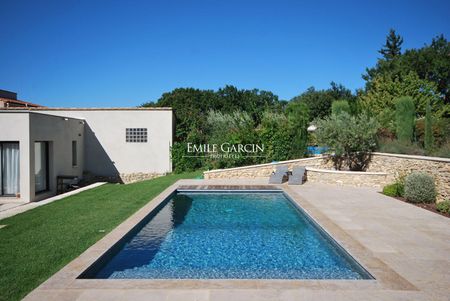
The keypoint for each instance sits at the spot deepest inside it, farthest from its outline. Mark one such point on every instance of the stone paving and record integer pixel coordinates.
(406, 248)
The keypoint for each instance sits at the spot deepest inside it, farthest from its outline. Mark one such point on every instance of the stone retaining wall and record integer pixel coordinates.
(391, 166)
(400, 165)
(136, 177)
(353, 178)
(263, 170)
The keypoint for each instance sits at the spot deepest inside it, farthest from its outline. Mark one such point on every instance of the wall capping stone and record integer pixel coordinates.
(264, 164)
(347, 172)
(413, 157)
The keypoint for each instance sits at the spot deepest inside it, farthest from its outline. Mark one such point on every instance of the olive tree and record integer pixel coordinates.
(351, 139)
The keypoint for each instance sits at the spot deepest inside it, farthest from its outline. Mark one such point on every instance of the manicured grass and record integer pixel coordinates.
(36, 244)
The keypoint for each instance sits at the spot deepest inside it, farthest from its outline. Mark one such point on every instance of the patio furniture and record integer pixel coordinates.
(279, 175)
(62, 187)
(297, 175)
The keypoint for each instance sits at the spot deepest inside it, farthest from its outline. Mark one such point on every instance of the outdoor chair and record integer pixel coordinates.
(297, 175)
(279, 175)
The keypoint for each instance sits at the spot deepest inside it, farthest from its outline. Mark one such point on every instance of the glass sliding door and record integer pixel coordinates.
(41, 166)
(9, 168)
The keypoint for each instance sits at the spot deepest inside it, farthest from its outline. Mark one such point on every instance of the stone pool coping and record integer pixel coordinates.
(64, 285)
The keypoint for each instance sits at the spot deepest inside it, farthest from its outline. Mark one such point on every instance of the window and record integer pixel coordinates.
(9, 168)
(74, 153)
(136, 135)
(41, 166)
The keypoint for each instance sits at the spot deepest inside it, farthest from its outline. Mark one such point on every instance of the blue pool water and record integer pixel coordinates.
(257, 235)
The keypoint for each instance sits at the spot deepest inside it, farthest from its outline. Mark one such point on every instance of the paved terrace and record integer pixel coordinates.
(406, 248)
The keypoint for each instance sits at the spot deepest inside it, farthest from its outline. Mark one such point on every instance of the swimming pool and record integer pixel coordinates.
(227, 235)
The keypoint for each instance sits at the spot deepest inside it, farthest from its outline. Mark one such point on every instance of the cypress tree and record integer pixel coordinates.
(404, 117)
(428, 129)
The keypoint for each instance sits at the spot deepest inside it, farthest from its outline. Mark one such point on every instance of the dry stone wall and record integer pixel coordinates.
(383, 169)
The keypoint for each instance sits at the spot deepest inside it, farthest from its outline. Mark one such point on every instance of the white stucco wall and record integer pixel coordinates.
(59, 132)
(14, 127)
(27, 128)
(106, 151)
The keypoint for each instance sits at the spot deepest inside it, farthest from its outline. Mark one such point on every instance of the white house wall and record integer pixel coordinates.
(14, 127)
(59, 132)
(106, 151)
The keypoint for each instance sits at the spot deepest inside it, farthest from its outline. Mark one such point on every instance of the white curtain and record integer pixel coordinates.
(10, 165)
(40, 166)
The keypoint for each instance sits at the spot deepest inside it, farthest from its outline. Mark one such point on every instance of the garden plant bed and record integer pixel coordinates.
(426, 206)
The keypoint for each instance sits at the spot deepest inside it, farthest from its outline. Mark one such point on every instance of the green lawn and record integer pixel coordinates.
(36, 244)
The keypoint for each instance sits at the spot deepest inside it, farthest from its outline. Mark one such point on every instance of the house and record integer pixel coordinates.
(9, 99)
(41, 147)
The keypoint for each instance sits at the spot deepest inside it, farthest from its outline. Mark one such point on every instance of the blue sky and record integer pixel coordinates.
(124, 53)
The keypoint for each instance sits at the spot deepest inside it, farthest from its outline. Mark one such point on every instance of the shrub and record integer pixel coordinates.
(428, 129)
(404, 118)
(396, 147)
(443, 151)
(386, 118)
(339, 106)
(351, 138)
(395, 189)
(298, 118)
(274, 133)
(443, 207)
(390, 190)
(180, 160)
(419, 188)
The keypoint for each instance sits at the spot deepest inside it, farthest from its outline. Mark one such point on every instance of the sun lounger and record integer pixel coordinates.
(279, 175)
(297, 176)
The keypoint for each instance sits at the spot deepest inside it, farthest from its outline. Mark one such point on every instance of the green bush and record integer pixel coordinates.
(351, 138)
(420, 188)
(390, 190)
(339, 106)
(443, 207)
(396, 147)
(275, 133)
(298, 118)
(181, 159)
(404, 118)
(428, 129)
(395, 189)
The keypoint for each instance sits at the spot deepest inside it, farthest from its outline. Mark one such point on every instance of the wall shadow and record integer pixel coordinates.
(97, 163)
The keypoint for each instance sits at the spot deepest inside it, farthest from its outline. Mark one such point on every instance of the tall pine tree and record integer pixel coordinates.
(393, 45)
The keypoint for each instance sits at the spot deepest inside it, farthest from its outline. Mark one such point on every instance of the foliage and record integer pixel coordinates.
(340, 106)
(420, 188)
(386, 118)
(319, 101)
(298, 118)
(443, 151)
(384, 89)
(439, 131)
(404, 118)
(397, 188)
(431, 63)
(392, 48)
(428, 129)
(443, 207)
(351, 138)
(183, 161)
(396, 147)
(36, 244)
(191, 105)
(393, 190)
(274, 132)
(234, 128)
